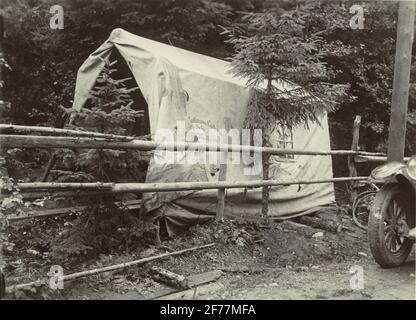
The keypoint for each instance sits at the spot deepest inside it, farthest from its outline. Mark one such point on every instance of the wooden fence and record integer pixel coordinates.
(94, 140)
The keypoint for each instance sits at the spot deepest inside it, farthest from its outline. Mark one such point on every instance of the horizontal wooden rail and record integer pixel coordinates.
(21, 141)
(75, 133)
(89, 186)
(63, 194)
(363, 158)
(171, 186)
(48, 213)
(45, 213)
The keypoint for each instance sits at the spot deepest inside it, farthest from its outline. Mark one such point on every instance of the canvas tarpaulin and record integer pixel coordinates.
(182, 85)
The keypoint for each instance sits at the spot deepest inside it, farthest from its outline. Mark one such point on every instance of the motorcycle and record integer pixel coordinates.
(391, 223)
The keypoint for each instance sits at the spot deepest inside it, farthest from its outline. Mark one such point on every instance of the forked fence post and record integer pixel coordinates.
(352, 168)
(222, 176)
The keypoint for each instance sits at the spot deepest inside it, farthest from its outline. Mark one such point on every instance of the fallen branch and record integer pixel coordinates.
(325, 224)
(247, 270)
(81, 274)
(192, 294)
(170, 278)
(297, 227)
(194, 281)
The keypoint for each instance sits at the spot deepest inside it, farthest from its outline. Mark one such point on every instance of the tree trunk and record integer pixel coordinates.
(266, 189)
(266, 158)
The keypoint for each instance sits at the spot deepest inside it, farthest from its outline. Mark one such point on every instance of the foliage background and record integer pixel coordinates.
(44, 62)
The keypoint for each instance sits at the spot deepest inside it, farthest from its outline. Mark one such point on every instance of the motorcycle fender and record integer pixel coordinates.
(408, 188)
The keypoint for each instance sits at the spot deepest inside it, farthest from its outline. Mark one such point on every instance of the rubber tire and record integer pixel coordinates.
(381, 254)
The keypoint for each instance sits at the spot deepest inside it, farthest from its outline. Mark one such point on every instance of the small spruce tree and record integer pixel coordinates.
(106, 223)
(281, 58)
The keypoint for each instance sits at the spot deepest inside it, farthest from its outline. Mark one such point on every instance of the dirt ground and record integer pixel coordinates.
(333, 282)
(282, 260)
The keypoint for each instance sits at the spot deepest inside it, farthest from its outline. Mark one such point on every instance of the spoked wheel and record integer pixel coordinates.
(390, 218)
(361, 208)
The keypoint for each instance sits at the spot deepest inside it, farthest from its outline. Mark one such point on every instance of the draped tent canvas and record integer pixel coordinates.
(179, 85)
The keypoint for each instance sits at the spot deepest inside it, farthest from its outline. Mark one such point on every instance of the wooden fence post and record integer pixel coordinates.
(3, 170)
(351, 159)
(398, 117)
(51, 163)
(2, 103)
(222, 176)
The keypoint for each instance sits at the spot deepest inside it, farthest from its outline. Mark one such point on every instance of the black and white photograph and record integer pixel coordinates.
(223, 151)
